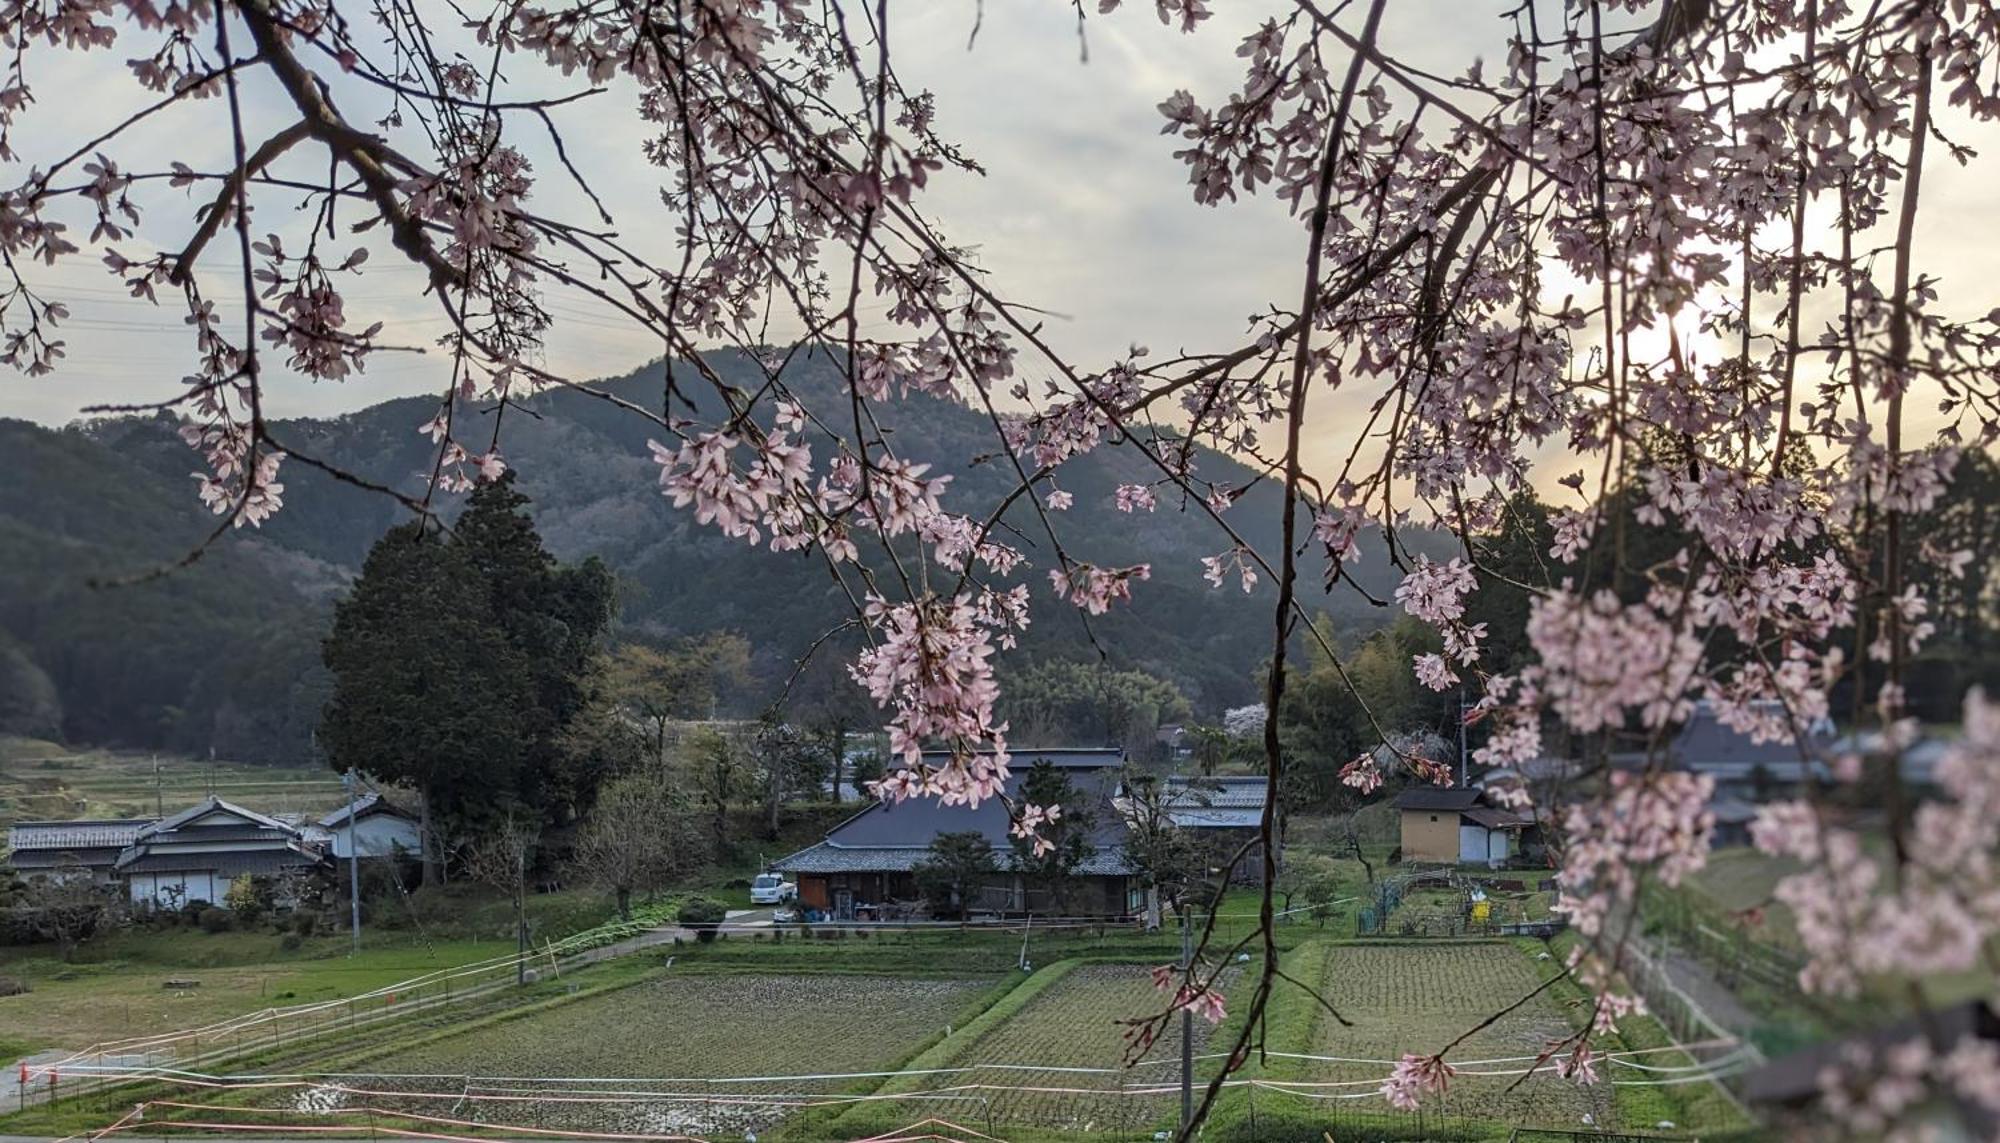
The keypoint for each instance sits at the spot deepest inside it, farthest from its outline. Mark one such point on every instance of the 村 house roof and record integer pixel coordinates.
(1493, 817)
(1731, 811)
(230, 863)
(99, 857)
(829, 858)
(1437, 798)
(893, 837)
(1215, 793)
(1214, 803)
(213, 805)
(1705, 745)
(113, 833)
(368, 805)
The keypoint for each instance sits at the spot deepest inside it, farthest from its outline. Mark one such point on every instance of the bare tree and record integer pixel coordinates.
(638, 837)
(716, 766)
(500, 858)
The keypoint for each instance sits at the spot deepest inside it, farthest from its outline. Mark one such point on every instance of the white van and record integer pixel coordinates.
(771, 889)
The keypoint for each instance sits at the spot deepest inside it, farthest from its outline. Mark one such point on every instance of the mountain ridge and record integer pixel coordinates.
(237, 631)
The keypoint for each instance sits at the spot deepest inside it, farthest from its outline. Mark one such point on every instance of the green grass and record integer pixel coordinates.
(76, 1005)
(1696, 1106)
(747, 1007)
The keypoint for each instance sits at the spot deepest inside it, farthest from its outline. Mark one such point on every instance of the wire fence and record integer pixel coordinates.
(274, 1029)
(994, 1096)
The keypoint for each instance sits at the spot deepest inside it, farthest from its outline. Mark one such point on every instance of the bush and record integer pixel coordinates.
(291, 942)
(305, 922)
(702, 915)
(12, 986)
(214, 920)
(249, 897)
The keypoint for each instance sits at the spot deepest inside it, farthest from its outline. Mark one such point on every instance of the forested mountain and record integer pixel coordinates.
(224, 653)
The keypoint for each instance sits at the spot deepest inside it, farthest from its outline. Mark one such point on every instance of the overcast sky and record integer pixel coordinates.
(1083, 212)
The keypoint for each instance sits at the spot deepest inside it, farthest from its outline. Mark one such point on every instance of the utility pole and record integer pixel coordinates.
(353, 862)
(159, 792)
(520, 911)
(1187, 1022)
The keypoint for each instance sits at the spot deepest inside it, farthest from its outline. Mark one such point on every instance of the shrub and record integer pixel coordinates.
(12, 986)
(305, 922)
(702, 915)
(252, 898)
(291, 942)
(214, 920)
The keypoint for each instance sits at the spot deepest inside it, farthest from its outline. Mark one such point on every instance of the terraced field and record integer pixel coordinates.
(1058, 1062)
(1418, 998)
(42, 780)
(656, 1053)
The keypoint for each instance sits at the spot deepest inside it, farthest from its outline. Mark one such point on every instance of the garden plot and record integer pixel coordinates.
(666, 1056)
(1418, 998)
(1058, 1062)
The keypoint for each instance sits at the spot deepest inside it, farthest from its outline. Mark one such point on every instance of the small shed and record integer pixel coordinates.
(1456, 826)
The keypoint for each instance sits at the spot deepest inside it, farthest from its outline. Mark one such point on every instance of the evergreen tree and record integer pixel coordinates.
(460, 661)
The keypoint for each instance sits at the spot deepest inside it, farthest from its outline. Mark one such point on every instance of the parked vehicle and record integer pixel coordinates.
(771, 889)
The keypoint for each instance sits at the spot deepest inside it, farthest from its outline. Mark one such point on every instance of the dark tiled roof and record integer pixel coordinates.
(827, 857)
(112, 832)
(368, 805)
(1492, 817)
(1437, 798)
(899, 834)
(1216, 793)
(1705, 745)
(914, 821)
(251, 819)
(100, 857)
(233, 864)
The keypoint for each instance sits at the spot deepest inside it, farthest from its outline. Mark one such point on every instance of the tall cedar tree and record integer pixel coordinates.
(458, 661)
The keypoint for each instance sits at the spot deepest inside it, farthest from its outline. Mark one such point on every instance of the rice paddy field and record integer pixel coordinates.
(1420, 997)
(726, 1051)
(671, 1054)
(1057, 1061)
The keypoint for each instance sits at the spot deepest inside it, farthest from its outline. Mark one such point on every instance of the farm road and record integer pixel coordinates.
(1709, 994)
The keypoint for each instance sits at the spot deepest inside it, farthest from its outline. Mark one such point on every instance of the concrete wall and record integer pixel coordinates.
(1430, 835)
